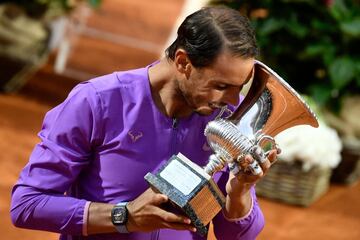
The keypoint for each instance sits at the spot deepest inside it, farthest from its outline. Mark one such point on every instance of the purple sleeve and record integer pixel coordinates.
(67, 136)
(246, 228)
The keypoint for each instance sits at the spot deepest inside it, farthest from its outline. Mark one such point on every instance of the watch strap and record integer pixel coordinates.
(121, 228)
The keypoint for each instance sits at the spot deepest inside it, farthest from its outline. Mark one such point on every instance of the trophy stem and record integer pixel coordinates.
(214, 165)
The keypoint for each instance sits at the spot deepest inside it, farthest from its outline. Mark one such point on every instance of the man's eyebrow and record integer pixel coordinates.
(248, 78)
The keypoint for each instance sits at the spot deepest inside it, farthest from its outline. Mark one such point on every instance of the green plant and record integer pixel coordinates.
(312, 44)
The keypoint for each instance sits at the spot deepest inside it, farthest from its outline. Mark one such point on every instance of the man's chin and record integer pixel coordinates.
(205, 111)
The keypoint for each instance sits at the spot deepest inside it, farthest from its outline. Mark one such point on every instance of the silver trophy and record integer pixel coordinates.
(270, 107)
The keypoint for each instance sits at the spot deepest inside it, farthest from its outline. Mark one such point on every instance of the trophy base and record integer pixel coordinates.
(190, 189)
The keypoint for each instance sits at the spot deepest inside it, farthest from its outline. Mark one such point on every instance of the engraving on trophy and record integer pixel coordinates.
(180, 177)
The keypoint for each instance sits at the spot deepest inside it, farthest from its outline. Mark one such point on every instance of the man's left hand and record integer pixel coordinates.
(238, 199)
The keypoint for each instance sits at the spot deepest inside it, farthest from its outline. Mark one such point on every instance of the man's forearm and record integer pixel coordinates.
(99, 218)
(33, 209)
(246, 227)
(238, 206)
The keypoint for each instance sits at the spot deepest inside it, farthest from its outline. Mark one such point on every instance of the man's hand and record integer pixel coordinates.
(146, 214)
(238, 199)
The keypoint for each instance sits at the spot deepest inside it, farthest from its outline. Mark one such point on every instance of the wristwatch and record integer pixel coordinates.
(119, 217)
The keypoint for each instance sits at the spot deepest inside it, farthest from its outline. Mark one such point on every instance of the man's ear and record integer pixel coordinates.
(182, 62)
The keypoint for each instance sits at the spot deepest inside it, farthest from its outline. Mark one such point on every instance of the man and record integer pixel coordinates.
(99, 143)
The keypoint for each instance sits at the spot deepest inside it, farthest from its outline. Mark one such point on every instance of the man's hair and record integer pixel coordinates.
(207, 32)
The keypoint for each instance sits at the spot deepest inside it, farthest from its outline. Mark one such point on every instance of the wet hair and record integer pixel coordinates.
(209, 31)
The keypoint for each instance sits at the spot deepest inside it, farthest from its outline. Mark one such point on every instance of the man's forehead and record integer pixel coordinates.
(241, 73)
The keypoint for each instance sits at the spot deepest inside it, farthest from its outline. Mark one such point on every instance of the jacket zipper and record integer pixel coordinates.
(175, 123)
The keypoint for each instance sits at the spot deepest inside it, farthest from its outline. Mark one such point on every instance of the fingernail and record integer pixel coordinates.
(188, 221)
(193, 229)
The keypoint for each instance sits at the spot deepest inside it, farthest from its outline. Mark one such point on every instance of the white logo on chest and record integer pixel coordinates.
(135, 135)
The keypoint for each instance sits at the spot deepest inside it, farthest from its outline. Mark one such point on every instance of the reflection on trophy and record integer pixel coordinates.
(269, 107)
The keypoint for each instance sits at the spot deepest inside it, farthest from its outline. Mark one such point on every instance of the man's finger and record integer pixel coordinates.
(272, 156)
(179, 226)
(251, 165)
(155, 198)
(172, 217)
(258, 154)
(158, 199)
(247, 163)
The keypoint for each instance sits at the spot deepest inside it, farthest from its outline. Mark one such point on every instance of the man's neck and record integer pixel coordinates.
(165, 91)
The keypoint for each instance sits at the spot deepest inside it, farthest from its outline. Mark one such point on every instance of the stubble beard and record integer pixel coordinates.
(203, 110)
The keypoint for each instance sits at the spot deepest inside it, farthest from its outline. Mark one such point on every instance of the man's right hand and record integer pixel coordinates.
(145, 214)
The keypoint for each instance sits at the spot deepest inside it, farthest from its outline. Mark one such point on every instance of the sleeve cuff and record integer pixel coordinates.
(244, 217)
(85, 218)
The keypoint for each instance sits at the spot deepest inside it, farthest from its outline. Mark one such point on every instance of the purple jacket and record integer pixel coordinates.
(97, 146)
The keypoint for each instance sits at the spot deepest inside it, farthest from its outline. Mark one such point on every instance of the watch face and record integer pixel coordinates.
(118, 215)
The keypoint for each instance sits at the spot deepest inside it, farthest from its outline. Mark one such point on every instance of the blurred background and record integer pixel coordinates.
(312, 192)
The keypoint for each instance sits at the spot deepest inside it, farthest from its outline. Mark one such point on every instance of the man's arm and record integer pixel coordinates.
(144, 215)
(38, 210)
(242, 217)
(54, 212)
(246, 227)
